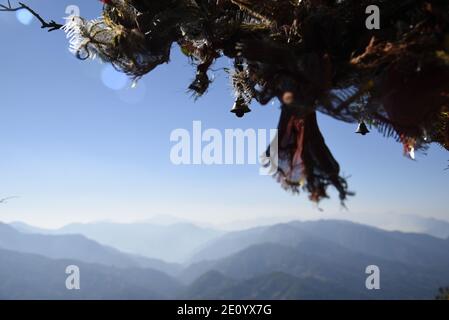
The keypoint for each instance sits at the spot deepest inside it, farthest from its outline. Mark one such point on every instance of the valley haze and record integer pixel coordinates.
(322, 259)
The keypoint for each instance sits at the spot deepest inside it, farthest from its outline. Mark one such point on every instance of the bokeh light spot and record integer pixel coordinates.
(24, 17)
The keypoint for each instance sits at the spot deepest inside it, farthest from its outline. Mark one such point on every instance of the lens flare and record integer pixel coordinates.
(24, 17)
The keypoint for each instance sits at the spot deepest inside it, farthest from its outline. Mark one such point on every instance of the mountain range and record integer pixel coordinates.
(144, 239)
(404, 222)
(298, 260)
(28, 276)
(77, 247)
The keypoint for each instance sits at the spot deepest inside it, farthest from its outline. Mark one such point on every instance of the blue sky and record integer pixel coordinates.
(75, 150)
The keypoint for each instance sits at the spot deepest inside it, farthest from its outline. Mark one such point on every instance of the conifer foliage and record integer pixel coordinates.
(311, 55)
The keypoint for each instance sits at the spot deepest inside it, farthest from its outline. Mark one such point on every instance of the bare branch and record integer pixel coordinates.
(51, 25)
(5, 200)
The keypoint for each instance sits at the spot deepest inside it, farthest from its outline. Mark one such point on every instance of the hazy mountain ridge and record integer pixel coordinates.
(179, 239)
(397, 246)
(297, 260)
(276, 285)
(30, 276)
(77, 247)
(406, 223)
(328, 266)
(331, 253)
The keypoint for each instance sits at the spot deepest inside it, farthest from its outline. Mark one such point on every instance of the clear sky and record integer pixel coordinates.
(74, 149)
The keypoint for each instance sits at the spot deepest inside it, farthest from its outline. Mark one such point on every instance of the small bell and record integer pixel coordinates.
(240, 107)
(362, 129)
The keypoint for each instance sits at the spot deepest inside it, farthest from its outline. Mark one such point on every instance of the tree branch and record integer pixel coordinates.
(51, 25)
(5, 200)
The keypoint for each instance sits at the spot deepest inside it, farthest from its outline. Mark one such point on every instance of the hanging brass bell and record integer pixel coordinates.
(362, 129)
(240, 107)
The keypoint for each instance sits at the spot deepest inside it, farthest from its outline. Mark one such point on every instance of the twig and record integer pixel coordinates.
(5, 200)
(51, 25)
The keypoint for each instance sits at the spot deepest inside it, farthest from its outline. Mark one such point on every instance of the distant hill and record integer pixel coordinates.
(407, 248)
(29, 276)
(321, 268)
(234, 242)
(297, 260)
(171, 242)
(406, 223)
(272, 286)
(76, 247)
(325, 254)
(26, 228)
